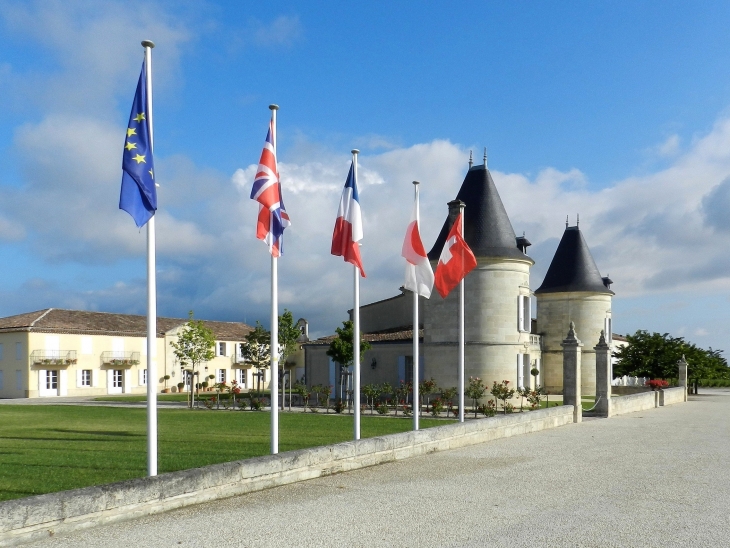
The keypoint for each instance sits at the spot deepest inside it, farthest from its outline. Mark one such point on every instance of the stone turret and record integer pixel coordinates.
(497, 333)
(573, 291)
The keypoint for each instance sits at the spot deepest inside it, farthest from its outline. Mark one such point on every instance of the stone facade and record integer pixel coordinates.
(555, 311)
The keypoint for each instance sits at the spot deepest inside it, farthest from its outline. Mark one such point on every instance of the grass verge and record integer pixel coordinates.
(44, 449)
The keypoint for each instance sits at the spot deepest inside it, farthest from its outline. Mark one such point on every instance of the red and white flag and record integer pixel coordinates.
(419, 274)
(348, 226)
(456, 261)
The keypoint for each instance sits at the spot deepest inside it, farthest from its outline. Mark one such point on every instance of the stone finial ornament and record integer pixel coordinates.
(602, 338)
(571, 331)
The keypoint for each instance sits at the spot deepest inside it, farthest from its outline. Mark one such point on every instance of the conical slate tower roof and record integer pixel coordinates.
(487, 228)
(573, 267)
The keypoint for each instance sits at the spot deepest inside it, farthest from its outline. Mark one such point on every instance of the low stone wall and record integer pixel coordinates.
(668, 396)
(633, 403)
(24, 520)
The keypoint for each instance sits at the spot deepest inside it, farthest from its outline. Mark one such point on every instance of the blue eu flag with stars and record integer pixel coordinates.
(139, 196)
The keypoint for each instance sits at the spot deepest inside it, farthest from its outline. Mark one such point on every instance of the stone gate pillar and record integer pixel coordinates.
(571, 373)
(683, 375)
(603, 376)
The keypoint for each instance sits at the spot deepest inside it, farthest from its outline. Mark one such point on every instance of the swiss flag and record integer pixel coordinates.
(455, 262)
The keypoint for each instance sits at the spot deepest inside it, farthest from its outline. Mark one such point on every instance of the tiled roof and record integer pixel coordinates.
(56, 320)
(404, 335)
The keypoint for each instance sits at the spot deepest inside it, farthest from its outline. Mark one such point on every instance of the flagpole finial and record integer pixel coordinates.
(148, 44)
(416, 183)
(273, 107)
(355, 151)
(471, 160)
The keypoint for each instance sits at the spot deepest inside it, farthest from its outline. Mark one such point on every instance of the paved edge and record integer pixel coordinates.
(28, 519)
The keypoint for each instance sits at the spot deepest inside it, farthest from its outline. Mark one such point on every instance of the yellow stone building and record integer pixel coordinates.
(55, 352)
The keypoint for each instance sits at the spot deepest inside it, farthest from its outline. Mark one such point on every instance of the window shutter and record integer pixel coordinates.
(526, 376)
(528, 314)
(520, 313)
(94, 378)
(79, 384)
(520, 372)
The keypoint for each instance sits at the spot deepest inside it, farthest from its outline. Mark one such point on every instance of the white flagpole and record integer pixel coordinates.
(274, 385)
(151, 296)
(416, 401)
(356, 331)
(461, 330)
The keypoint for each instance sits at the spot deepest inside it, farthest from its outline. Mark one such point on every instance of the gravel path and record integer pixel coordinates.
(655, 478)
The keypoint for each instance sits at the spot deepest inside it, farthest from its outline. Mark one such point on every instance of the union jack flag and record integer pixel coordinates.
(273, 218)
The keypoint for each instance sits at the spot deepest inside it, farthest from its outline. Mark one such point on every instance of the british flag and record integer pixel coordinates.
(273, 218)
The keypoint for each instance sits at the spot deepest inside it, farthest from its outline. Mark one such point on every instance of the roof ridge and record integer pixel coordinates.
(39, 318)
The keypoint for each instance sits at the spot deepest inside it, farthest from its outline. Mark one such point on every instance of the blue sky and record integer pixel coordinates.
(614, 110)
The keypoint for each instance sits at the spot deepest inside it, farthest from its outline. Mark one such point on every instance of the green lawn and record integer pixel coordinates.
(51, 448)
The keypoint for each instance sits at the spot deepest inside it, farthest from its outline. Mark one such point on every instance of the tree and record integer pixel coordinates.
(194, 346)
(475, 391)
(256, 349)
(289, 335)
(342, 348)
(656, 356)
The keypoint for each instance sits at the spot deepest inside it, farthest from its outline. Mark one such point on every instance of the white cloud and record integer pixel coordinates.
(668, 148)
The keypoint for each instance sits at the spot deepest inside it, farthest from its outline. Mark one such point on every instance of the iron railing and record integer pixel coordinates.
(113, 357)
(53, 357)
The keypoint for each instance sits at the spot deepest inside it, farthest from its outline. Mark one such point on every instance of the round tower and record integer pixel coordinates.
(573, 290)
(497, 295)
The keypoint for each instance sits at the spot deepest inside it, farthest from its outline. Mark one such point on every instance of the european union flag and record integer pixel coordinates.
(138, 196)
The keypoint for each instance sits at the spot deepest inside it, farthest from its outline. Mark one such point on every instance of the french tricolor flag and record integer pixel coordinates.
(348, 226)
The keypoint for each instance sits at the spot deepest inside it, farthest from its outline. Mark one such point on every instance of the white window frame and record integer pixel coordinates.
(118, 378)
(241, 378)
(221, 348)
(142, 377)
(51, 379)
(220, 375)
(85, 378)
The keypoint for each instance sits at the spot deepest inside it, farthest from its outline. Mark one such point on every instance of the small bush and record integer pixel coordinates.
(382, 408)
